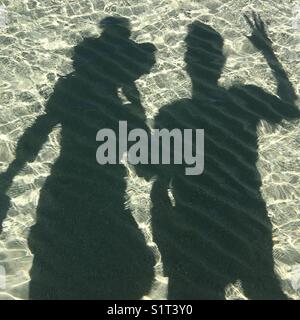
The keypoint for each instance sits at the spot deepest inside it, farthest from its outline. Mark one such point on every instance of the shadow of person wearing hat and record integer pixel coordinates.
(85, 242)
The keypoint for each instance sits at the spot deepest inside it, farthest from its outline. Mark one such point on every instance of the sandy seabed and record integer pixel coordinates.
(36, 45)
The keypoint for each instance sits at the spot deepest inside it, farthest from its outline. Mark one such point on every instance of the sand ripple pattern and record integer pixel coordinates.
(36, 48)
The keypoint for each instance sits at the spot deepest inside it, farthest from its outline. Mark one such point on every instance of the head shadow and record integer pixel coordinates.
(114, 57)
(204, 55)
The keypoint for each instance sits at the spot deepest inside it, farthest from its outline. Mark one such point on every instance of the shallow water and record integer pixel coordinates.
(36, 48)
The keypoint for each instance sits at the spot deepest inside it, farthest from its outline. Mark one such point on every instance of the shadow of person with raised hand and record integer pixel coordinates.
(85, 242)
(217, 230)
